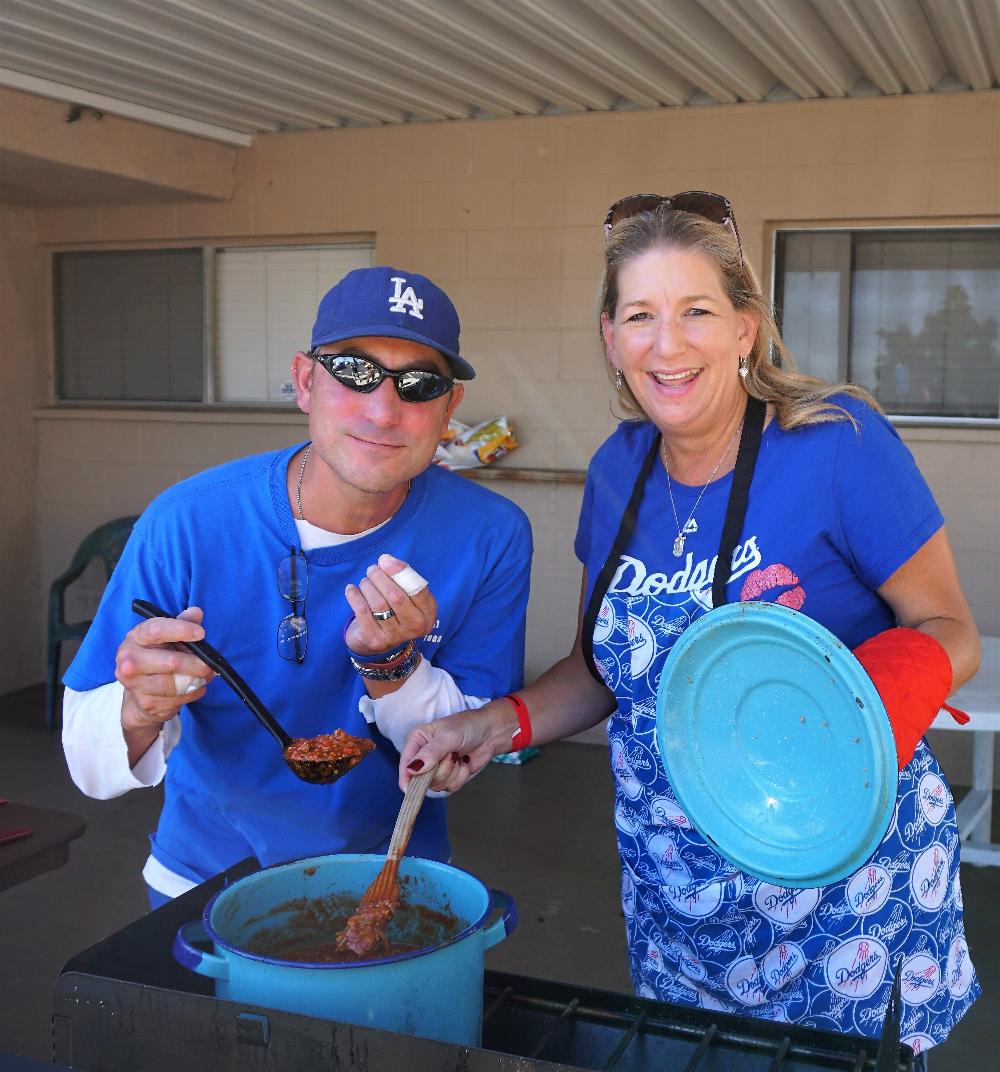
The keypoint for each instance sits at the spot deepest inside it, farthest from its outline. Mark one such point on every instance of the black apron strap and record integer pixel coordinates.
(625, 530)
(739, 492)
(732, 526)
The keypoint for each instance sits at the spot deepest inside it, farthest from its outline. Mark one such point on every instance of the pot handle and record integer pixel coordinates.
(198, 960)
(501, 928)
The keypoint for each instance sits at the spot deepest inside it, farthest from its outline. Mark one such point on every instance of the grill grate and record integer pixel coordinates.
(623, 1042)
(596, 1030)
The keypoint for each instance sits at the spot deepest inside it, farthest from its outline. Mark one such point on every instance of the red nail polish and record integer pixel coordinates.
(465, 759)
(416, 765)
(454, 757)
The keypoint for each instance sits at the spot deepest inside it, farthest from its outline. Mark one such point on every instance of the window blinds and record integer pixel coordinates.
(265, 304)
(130, 325)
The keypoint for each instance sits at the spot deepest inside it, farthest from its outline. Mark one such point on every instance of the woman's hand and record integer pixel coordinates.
(564, 701)
(412, 616)
(461, 745)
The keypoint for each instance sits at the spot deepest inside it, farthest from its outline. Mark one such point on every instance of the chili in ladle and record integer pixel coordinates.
(321, 759)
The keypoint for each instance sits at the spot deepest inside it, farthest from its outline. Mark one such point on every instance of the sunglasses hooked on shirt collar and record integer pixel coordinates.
(362, 374)
(713, 207)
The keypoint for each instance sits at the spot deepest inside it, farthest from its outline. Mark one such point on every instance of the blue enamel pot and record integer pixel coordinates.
(434, 992)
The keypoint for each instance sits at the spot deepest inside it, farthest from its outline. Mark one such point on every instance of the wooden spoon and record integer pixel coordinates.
(366, 928)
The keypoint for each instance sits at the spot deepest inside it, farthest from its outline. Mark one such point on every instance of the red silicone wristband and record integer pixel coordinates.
(521, 737)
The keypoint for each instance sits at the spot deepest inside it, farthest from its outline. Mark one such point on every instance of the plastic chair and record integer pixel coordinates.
(107, 543)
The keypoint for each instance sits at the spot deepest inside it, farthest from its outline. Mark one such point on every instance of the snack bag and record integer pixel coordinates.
(452, 432)
(463, 447)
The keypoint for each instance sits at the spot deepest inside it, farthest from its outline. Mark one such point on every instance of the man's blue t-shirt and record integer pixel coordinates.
(215, 541)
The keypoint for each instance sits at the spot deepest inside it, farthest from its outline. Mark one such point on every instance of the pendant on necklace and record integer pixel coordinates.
(679, 545)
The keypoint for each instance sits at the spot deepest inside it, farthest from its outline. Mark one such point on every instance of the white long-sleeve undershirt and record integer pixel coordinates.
(97, 756)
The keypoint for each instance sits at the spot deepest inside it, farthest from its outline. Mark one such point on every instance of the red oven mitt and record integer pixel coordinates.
(912, 673)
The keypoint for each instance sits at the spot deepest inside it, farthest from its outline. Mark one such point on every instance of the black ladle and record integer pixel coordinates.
(349, 750)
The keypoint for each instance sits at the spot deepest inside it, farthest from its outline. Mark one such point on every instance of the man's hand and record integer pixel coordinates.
(412, 616)
(146, 664)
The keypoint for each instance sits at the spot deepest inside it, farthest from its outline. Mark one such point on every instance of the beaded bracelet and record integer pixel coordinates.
(386, 656)
(395, 672)
(382, 656)
(384, 664)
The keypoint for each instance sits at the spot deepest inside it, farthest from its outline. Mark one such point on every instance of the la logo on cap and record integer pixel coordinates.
(405, 301)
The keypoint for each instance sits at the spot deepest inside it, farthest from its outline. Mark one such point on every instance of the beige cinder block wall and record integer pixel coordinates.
(22, 387)
(506, 215)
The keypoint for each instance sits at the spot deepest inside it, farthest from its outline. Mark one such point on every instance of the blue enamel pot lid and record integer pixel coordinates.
(777, 745)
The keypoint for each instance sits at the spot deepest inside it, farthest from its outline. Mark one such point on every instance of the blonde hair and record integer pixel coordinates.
(773, 376)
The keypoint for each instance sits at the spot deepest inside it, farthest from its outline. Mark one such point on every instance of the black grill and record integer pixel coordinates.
(593, 1029)
(125, 1004)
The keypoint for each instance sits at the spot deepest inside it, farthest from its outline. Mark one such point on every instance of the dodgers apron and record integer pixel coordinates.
(701, 932)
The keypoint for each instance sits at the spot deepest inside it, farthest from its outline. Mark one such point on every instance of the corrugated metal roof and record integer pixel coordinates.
(231, 68)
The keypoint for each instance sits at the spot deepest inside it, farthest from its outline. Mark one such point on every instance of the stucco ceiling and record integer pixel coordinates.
(227, 69)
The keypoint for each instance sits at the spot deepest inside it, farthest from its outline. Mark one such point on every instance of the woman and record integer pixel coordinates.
(838, 524)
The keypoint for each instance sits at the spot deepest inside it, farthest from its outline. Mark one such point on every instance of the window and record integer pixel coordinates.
(266, 302)
(910, 315)
(130, 324)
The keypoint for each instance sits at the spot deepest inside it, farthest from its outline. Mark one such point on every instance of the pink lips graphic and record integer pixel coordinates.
(777, 576)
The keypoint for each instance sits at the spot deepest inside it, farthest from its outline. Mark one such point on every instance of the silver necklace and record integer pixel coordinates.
(298, 483)
(690, 526)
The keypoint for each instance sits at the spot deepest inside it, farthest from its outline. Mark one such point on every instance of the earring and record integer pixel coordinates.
(744, 367)
(618, 379)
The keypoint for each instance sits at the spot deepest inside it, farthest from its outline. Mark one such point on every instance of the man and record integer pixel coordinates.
(289, 558)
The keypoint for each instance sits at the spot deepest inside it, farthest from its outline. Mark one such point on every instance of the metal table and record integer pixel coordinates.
(44, 849)
(981, 700)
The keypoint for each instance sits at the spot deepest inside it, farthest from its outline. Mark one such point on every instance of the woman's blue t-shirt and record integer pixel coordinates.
(833, 511)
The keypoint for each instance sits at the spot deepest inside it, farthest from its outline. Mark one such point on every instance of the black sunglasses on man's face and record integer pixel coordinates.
(363, 375)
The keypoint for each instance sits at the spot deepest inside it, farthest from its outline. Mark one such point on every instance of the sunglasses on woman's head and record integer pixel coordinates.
(363, 375)
(713, 207)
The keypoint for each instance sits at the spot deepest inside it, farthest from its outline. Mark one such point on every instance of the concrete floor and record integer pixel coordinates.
(543, 832)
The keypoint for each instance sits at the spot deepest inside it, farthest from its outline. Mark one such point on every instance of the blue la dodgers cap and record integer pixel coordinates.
(396, 304)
